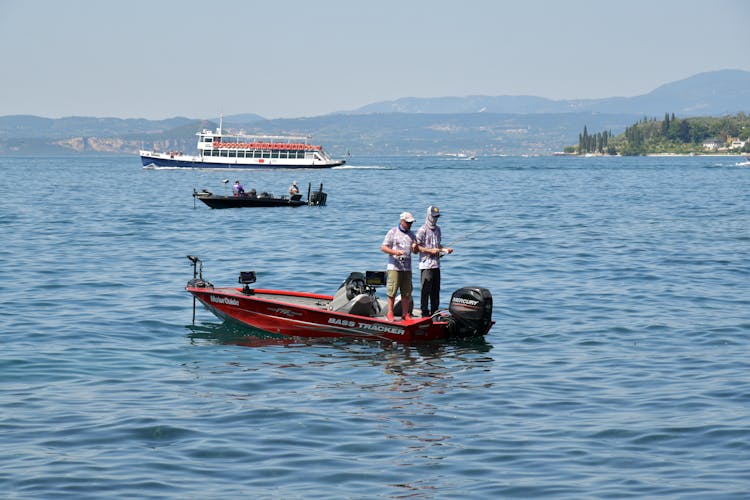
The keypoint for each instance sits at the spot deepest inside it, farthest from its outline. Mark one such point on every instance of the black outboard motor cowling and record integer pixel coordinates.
(471, 312)
(318, 198)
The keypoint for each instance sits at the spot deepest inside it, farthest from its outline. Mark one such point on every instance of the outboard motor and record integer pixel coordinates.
(471, 312)
(318, 198)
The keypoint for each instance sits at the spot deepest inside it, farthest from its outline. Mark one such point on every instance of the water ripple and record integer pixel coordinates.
(617, 367)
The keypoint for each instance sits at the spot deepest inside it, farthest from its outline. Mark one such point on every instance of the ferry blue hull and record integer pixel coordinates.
(181, 163)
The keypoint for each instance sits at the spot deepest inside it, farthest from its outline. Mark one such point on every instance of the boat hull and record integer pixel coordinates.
(300, 314)
(246, 200)
(215, 201)
(186, 161)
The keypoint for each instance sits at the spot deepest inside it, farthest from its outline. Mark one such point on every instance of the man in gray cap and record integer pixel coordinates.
(399, 244)
(430, 249)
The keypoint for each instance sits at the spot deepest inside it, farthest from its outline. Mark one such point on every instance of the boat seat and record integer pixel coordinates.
(353, 297)
(363, 304)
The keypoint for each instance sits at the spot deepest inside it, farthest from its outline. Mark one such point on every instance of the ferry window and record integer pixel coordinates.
(224, 153)
(284, 154)
(266, 154)
(233, 153)
(208, 139)
(276, 154)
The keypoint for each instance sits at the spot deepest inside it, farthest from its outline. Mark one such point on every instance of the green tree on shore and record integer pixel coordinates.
(670, 135)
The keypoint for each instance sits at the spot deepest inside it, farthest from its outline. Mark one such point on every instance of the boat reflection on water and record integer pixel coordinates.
(401, 371)
(231, 333)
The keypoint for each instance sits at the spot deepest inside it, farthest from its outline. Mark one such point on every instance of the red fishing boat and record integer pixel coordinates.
(353, 311)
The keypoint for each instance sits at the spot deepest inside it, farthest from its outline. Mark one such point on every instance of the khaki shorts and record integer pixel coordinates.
(398, 280)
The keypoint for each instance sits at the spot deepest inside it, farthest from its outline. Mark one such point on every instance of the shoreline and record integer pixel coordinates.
(697, 155)
(728, 155)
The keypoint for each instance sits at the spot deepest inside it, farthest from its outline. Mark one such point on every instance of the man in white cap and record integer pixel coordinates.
(399, 244)
(293, 189)
(429, 239)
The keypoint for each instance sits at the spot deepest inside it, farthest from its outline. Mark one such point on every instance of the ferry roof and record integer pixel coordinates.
(219, 133)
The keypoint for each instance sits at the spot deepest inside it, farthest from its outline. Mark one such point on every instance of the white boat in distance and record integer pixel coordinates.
(219, 150)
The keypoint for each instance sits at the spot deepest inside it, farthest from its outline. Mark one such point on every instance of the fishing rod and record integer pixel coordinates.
(454, 242)
(466, 235)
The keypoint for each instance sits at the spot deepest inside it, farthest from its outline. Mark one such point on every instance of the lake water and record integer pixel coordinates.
(618, 367)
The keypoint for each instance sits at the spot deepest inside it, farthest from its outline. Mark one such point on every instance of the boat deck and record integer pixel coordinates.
(311, 302)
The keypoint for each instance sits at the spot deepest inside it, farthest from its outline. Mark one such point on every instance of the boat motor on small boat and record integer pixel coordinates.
(353, 311)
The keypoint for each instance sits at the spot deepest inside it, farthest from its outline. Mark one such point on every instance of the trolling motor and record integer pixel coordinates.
(197, 281)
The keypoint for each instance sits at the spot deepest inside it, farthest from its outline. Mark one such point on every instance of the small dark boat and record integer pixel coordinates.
(253, 199)
(354, 311)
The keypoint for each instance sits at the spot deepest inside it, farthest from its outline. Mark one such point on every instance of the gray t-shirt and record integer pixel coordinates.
(399, 240)
(429, 238)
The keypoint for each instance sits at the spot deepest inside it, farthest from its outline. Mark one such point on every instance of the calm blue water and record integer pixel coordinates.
(618, 366)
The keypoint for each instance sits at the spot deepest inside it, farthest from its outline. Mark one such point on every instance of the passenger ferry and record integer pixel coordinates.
(219, 150)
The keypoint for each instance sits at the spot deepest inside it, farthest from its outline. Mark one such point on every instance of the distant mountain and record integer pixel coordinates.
(464, 105)
(714, 93)
(27, 126)
(706, 94)
(475, 124)
(431, 133)
(241, 119)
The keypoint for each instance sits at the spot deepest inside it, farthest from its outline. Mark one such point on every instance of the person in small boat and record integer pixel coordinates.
(293, 189)
(237, 189)
(428, 239)
(399, 244)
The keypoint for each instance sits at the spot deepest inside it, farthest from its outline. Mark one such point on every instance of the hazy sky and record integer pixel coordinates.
(289, 58)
